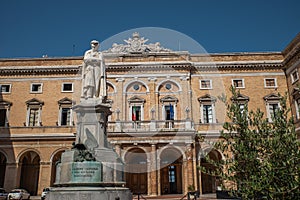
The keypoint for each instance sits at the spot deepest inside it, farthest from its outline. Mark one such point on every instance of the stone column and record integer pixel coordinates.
(45, 173)
(158, 177)
(195, 167)
(190, 165)
(185, 176)
(152, 182)
(12, 176)
(200, 177)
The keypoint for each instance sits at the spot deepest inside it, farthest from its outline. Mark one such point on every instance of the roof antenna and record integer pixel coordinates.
(73, 50)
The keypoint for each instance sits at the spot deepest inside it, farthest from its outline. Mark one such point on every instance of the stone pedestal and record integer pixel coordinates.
(90, 193)
(91, 170)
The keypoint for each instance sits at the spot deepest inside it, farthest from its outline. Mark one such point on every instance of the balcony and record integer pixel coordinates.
(148, 126)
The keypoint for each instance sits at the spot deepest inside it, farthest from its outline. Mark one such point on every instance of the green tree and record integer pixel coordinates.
(261, 158)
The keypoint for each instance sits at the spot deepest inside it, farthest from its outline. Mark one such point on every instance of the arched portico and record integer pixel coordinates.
(171, 171)
(54, 159)
(29, 164)
(209, 183)
(136, 170)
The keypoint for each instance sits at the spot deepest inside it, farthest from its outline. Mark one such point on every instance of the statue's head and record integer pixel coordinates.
(95, 44)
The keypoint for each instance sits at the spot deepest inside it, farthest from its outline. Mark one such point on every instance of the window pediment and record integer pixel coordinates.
(136, 99)
(272, 97)
(207, 98)
(240, 98)
(169, 99)
(34, 101)
(4, 103)
(66, 100)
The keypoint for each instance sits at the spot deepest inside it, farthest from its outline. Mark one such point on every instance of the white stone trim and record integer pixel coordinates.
(7, 84)
(237, 79)
(133, 81)
(209, 88)
(40, 91)
(265, 83)
(168, 80)
(62, 87)
(291, 75)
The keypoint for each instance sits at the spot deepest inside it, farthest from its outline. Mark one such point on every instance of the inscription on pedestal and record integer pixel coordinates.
(86, 172)
(81, 172)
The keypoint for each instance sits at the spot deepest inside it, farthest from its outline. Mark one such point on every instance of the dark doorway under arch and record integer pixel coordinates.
(30, 169)
(3, 161)
(56, 158)
(171, 172)
(136, 171)
(209, 183)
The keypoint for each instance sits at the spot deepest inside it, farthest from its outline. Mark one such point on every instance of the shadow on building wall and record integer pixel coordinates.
(7, 157)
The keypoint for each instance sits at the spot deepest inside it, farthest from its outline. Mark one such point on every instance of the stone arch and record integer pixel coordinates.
(21, 153)
(172, 147)
(204, 151)
(55, 152)
(134, 147)
(108, 83)
(132, 82)
(29, 164)
(168, 81)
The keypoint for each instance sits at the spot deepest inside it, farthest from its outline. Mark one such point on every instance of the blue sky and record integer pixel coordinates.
(59, 28)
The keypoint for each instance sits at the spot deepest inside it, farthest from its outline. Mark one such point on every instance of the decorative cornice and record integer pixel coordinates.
(292, 57)
(34, 70)
(277, 65)
(74, 69)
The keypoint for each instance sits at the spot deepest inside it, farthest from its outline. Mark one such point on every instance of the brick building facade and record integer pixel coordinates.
(161, 101)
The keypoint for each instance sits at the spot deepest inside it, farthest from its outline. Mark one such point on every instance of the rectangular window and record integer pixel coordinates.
(238, 83)
(297, 106)
(169, 112)
(67, 87)
(273, 107)
(207, 114)
(294, 76)
(205, 84)
(65, 119)
(33, 117)
(242, 107)
(172, 174)
(270, 82)
(5, 88)
(136, 113)
(36, 87)
(2, 117)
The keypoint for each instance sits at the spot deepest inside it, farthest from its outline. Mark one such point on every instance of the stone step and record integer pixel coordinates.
(175, 197)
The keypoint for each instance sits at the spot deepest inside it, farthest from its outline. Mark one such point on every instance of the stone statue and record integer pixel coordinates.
(93, 73)
(137, 44)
